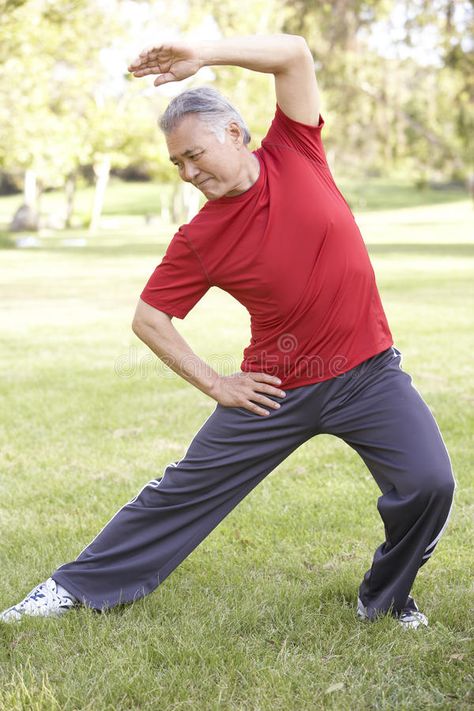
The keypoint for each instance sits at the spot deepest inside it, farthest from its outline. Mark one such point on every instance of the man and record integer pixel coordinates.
(277, 234)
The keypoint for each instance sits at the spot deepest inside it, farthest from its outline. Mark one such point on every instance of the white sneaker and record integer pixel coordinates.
(409, 618)
(45, 600)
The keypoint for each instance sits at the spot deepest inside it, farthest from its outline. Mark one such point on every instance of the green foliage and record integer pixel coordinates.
(58, 111)
(394, 111)
(64, 104)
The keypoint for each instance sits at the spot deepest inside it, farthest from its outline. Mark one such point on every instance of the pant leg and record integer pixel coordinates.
(157, 529)
(386, 421)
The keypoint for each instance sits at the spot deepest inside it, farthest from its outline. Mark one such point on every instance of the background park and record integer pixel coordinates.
(262, 614)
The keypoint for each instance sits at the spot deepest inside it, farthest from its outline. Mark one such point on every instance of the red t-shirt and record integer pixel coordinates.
(290, 251)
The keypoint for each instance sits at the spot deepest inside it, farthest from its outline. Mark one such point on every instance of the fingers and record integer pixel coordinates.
(260, 387)
(149, 68)
(265, 402)
(256, 409)
(164, 78)
(261, 380)
(153, 55)
(258, 384)
(147, 55)
(144, 71)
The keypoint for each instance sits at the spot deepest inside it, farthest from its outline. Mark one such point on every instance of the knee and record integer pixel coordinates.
(444, 488)
(437, 483)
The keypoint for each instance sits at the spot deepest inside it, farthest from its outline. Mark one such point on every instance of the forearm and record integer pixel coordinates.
(176, 353)
(260, 53)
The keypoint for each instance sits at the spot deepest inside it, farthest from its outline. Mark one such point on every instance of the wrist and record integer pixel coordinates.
(214, 388)
(206, 53)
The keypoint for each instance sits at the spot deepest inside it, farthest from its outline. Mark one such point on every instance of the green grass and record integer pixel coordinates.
(261, 614)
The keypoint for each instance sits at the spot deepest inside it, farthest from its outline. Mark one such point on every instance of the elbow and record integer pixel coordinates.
(305, 50)
(300, 44)
(143, 322)
(138, 327)
(298, 49)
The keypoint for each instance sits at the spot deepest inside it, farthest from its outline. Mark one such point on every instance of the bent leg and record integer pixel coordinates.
(157, 529)
(388, 423)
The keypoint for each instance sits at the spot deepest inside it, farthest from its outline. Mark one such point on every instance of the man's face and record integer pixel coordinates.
(213, 167)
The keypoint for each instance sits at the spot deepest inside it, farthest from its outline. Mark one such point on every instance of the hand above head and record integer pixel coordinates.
(285, 56)
(173, 61)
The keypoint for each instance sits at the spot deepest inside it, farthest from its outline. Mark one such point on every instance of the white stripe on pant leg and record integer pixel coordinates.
(155, 483)
(430, 549)
(149, 483)
(398, 354)
(175, 464)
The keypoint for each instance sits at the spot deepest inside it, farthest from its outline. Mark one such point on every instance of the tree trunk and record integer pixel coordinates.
(27, 217)
(102, 172)
(185, 202)
(177, 208)
(30, 196)
(70, 192)
(39, 196)
(190, 200)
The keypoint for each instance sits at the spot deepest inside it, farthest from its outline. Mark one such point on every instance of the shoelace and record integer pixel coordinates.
(36, 595)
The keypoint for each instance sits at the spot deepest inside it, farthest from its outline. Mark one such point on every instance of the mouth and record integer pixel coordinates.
(204, 181)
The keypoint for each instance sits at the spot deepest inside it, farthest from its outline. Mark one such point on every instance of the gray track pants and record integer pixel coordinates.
(373, 407)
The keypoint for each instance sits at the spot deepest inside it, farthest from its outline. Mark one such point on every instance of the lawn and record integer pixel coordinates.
(261, 615)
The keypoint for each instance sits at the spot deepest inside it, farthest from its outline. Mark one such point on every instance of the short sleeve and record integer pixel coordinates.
(179, 281)
(300, 137)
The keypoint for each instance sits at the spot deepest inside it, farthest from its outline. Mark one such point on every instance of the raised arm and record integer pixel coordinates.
(287, 57)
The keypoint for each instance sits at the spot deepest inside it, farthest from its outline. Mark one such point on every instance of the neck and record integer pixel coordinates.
(250, 174)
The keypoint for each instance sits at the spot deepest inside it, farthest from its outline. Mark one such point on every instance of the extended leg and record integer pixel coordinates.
(388, 423)
(155, 531)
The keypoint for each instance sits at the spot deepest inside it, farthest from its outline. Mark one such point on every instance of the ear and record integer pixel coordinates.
(235, 133)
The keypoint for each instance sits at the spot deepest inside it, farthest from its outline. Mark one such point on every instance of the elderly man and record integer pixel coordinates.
(275, 233)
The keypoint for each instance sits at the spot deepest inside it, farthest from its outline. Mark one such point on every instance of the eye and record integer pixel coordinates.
(196, 155)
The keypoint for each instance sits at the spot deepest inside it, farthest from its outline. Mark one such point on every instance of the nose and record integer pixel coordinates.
(190, 172)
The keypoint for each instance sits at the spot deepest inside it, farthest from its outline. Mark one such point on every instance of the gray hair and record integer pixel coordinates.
(212, 107)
